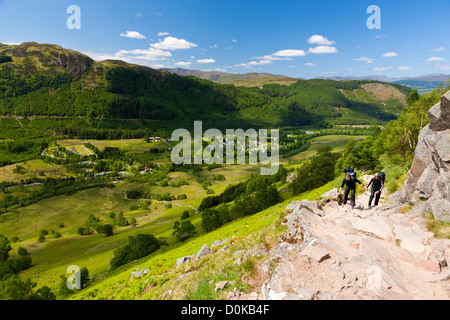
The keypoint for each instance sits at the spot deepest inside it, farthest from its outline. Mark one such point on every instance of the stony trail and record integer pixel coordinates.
(336, 252)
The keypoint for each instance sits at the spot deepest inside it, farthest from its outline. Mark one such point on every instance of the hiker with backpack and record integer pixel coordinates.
(377, 183)
(349, 182)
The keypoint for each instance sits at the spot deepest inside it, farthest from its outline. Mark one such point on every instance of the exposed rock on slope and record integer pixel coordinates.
(429, 177)
(334, 252)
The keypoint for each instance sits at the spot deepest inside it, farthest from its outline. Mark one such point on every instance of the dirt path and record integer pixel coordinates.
(336, 252)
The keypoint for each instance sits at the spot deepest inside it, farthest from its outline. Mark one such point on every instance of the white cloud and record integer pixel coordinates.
(403, 68)
(322, 50)
(350, 69)
(289, 53)
(441, 49)
(318, 39)
(162, 34)
(254, 63)
(436, 59)
(214, 46)
(220, 69)
(11, 43)
(145, 60)
(271, 58)
(381, 68)
(331, 72)
(309, 64)
(171, 43)
(365, 59)
(206, 61)
(183, 64)
(138, 15)
(234, 40)
(390, 55)
(133, 35)
(291, 67)
(149, 54)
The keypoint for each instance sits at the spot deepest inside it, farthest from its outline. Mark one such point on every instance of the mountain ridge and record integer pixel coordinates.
(50, 80)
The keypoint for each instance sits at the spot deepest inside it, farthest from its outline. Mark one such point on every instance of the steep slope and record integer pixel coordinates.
(428, 182)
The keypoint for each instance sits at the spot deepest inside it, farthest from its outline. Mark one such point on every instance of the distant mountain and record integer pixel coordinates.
(426, 77)
(229, 78)
(424, 82)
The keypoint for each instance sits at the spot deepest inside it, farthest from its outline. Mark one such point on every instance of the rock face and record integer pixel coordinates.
(429, 176)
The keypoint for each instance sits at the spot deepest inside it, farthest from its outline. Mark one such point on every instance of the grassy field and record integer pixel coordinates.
(51, 258)
(32, 168)
(337, 143)
(138, 148)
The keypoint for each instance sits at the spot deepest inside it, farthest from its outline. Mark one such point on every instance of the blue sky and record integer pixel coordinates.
(301, 38)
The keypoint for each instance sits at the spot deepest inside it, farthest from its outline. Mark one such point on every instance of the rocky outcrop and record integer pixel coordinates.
(428, 181)
(334, 252)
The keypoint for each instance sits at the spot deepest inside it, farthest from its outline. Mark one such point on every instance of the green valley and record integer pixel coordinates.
(86, 170)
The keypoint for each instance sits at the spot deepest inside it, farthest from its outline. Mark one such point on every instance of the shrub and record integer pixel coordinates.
(138, 247)
(134, 194)
(185, 215)
(181, 196)
(22, 251)
(184, 230)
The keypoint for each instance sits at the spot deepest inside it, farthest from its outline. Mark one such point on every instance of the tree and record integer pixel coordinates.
(413, 97)
(84, 276)
(183, 231)
(22, 251)
(185, 215)
(41, 238)
(133, 222)
(316, 173)
(137, 247)
(211, 220)
(14, 288)
(5, 247)
(121, 221)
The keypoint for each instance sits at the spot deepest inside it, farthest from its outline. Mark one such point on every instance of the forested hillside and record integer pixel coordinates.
(47, 80)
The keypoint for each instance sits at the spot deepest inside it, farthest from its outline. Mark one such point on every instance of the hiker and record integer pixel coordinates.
(377, 187)
(350, 185)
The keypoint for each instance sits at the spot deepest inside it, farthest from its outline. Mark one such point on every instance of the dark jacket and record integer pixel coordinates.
(349, 183)
(377, 184)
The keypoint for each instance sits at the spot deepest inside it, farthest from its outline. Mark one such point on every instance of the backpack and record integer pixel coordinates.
(382, 176)
(352, 175)
(348, 170)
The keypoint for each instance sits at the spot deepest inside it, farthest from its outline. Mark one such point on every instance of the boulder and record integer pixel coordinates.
(440, 114)
(221, 285)
(204, 251)
(136, 274)
(219, 243)
(331, 193)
